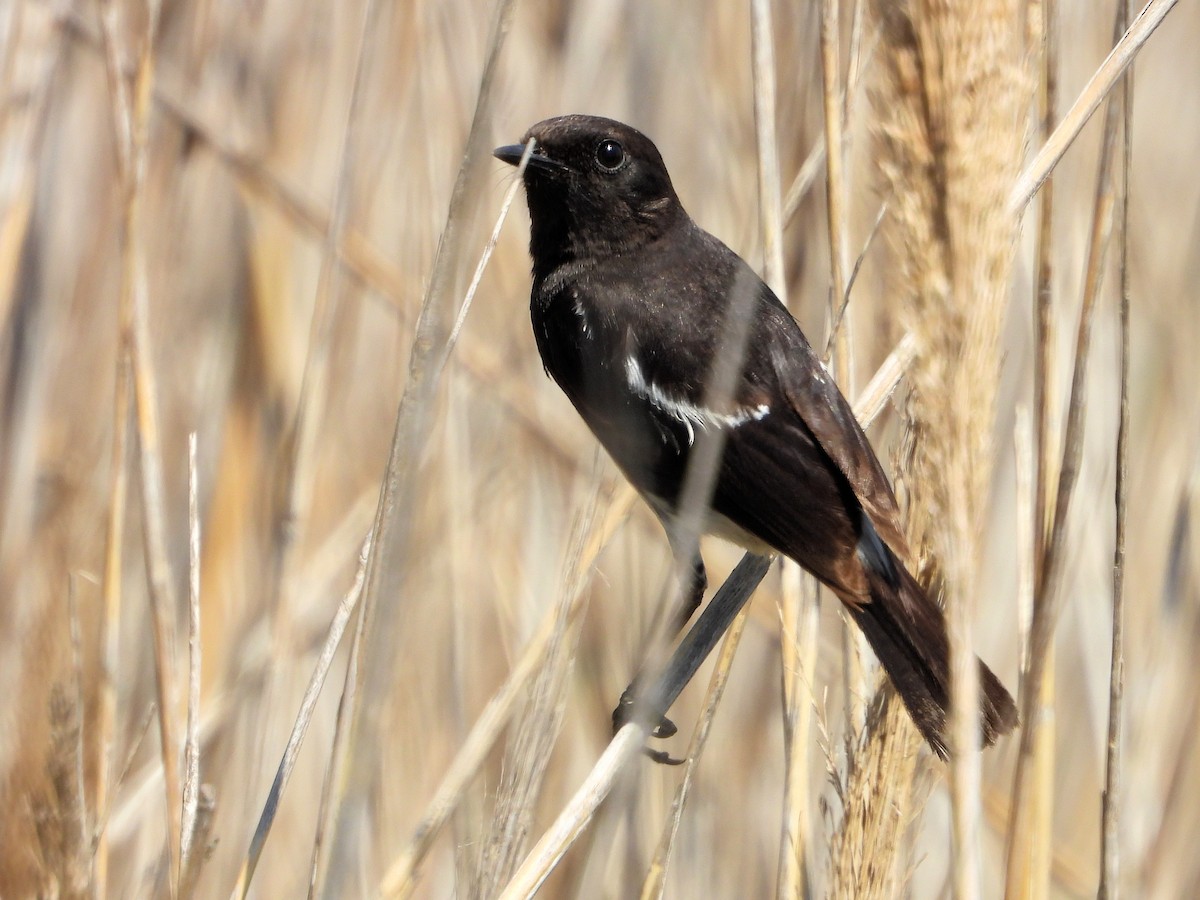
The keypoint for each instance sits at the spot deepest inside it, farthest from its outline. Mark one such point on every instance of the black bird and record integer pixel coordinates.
(629, 306)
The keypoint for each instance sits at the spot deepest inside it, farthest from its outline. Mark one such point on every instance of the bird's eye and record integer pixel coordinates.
(610, 155)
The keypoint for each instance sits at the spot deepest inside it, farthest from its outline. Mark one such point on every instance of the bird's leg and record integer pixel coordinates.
(695, 646)
(693, 596)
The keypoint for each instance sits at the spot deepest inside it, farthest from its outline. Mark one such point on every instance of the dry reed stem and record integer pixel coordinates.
(655, 881)
(1023, 861)
(335, 770)
(108, 639)
(1102, 81)
(805, 176)
(1038, 837)
(531, 740)
(400, 879)
(202, 841)
(835, 180)
(770, 209)
(771, 217)
(876, 225)
(1039, 851)
(1026, 523)
(1044, 293)
(576, 814)
(104, 813)
(1110, 817)
(811, 167)
(299, 462)
(387, 568)
(132, 111)
(191, 747)
(219, 711)
(798, 624)
(362, 260)
(308, 705)
(1035, 747)
(838, 340)
(884, 382)
(488, 247)
(78, 860)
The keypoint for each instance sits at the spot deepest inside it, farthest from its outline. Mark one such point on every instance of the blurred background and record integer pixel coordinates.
(294, 166)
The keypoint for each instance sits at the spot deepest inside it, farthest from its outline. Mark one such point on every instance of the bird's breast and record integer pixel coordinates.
(587, 354)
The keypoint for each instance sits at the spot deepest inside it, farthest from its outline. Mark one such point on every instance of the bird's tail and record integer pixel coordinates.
(907, 631)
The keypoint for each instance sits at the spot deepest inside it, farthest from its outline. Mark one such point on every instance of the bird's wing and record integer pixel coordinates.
(810, 391)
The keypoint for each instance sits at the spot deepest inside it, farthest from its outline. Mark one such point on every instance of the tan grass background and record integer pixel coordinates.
(288, 237)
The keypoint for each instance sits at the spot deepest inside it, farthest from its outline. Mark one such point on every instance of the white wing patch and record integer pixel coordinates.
(689, 414)
(583, 316)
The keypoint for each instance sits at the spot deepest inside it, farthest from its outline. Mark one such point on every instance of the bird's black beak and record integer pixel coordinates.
(512, 153)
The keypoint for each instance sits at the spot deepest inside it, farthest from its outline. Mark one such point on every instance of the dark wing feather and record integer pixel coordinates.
(777, 483)
(812, 394)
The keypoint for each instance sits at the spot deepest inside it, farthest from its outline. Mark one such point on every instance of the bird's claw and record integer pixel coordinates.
(663, 758)
(665, 728)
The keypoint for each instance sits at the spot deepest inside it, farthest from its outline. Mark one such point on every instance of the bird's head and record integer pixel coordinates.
(595, 187)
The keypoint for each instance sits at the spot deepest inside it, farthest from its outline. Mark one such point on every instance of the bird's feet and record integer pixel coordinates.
(624, 714)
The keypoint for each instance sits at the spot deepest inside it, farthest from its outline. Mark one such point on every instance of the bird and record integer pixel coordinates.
(630, 305)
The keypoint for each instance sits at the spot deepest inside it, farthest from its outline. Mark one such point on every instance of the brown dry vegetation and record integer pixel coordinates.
(232, 231)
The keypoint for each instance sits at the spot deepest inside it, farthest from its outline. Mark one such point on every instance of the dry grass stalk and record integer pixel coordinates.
(333, 639)
(805, 176)
(299, 464)
(835, 178)
(1026, 524)
(386, 569)
(799, 613)
(400, 879)
(1110, 822)
(576, 814)
(1044, 296)
(335, 770)
(191, 747)
(202, 841)
(132, 110)
(655, 881)
(1033, 793)
(1027, 859)
(951, 103)
(796, 720)
(1102, 81)
(110, 620)
(836, 107)
(364, 262)
(769, 204)
(528, 754)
